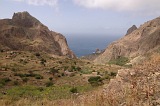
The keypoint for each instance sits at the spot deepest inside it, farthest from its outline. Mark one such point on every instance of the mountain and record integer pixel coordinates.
(144, 40)
(25, 33)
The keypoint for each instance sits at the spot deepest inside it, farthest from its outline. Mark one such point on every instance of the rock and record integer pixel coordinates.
(25, 33)
(131, 29)
(145, 39)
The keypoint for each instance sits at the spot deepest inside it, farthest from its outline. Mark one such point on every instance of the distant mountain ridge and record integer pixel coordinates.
(26, 33)
(138, 42)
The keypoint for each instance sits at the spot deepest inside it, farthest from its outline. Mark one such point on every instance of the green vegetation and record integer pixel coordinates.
(49, 83)
(95, 81)
(113, 74)
(37, 76)
(53, 70)
(59, 78)
(85, 71)
(37, 54)
(73, 90)
(121, 61)
(52, 92)
(4, 81)
(24, 79)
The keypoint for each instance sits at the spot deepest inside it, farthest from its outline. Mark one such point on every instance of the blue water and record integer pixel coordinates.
(84, 45)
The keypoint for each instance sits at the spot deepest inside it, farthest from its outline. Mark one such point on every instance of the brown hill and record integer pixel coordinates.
(26, 33)
(141, 41)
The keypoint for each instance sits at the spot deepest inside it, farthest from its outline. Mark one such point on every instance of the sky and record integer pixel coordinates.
(85, 17)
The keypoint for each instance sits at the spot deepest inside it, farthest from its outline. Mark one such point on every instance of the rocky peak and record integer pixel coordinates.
(25, 33)
(25, 19)
(141, 41)
(131, 29)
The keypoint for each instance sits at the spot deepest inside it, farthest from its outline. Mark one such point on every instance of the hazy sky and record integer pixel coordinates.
(87, 17)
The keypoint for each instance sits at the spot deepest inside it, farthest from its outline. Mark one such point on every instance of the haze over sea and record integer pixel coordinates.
(83, 45)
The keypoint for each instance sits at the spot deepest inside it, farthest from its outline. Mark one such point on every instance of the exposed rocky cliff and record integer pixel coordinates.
(24, 32)
(143, 40)
(131, 29)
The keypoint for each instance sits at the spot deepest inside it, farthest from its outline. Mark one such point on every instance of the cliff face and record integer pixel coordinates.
(24, 32)
(131, 29)
(143, 40)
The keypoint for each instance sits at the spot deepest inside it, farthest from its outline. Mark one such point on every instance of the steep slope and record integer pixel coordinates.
(143, 40)
(138, 86)
(26, 33)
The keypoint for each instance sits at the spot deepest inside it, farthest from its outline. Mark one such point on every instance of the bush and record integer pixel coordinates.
(25, 79)
(73, 90)
(37, 76)
(113, 74)
(43, 61)
(16, 83)
(50, 78)
(121, 61)
(4, 81)
(49, 83)
(54, 71)
(95, 81)
(62, 74)
(37, 54)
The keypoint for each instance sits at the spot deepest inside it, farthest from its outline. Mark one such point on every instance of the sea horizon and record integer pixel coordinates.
(83, 45)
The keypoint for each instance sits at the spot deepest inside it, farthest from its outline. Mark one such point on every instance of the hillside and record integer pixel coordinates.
(26, 33)
(140, 42)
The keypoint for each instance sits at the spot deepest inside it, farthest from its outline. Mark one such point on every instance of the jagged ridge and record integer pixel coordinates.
(143, 40)
(24, 32)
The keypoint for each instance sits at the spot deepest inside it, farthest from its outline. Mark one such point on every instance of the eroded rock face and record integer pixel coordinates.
(131, 29)
(143, 40)
(24, 32)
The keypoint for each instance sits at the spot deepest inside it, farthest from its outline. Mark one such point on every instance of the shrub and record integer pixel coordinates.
(73, 90)
(78, 68)
(107, 77)
(121, 61)
(62, 74)
(43, 61)
(113, 74)
(4, 81)
(50, 78)
(40, 89)
(95, 81)
(38, 76)
(37, 54)
(25, 79)
(16, 83)
(14, 69)
(2, 50)
(54, 71)
(73, 68)
(49, 83)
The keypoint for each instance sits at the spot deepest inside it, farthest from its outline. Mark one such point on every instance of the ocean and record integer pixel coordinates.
(84, 45)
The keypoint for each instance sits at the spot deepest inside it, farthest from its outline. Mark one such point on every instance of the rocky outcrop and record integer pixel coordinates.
(26, 33)
(131, 29)
(145, 39)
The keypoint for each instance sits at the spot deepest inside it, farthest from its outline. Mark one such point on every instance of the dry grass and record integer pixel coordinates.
(139, 87)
